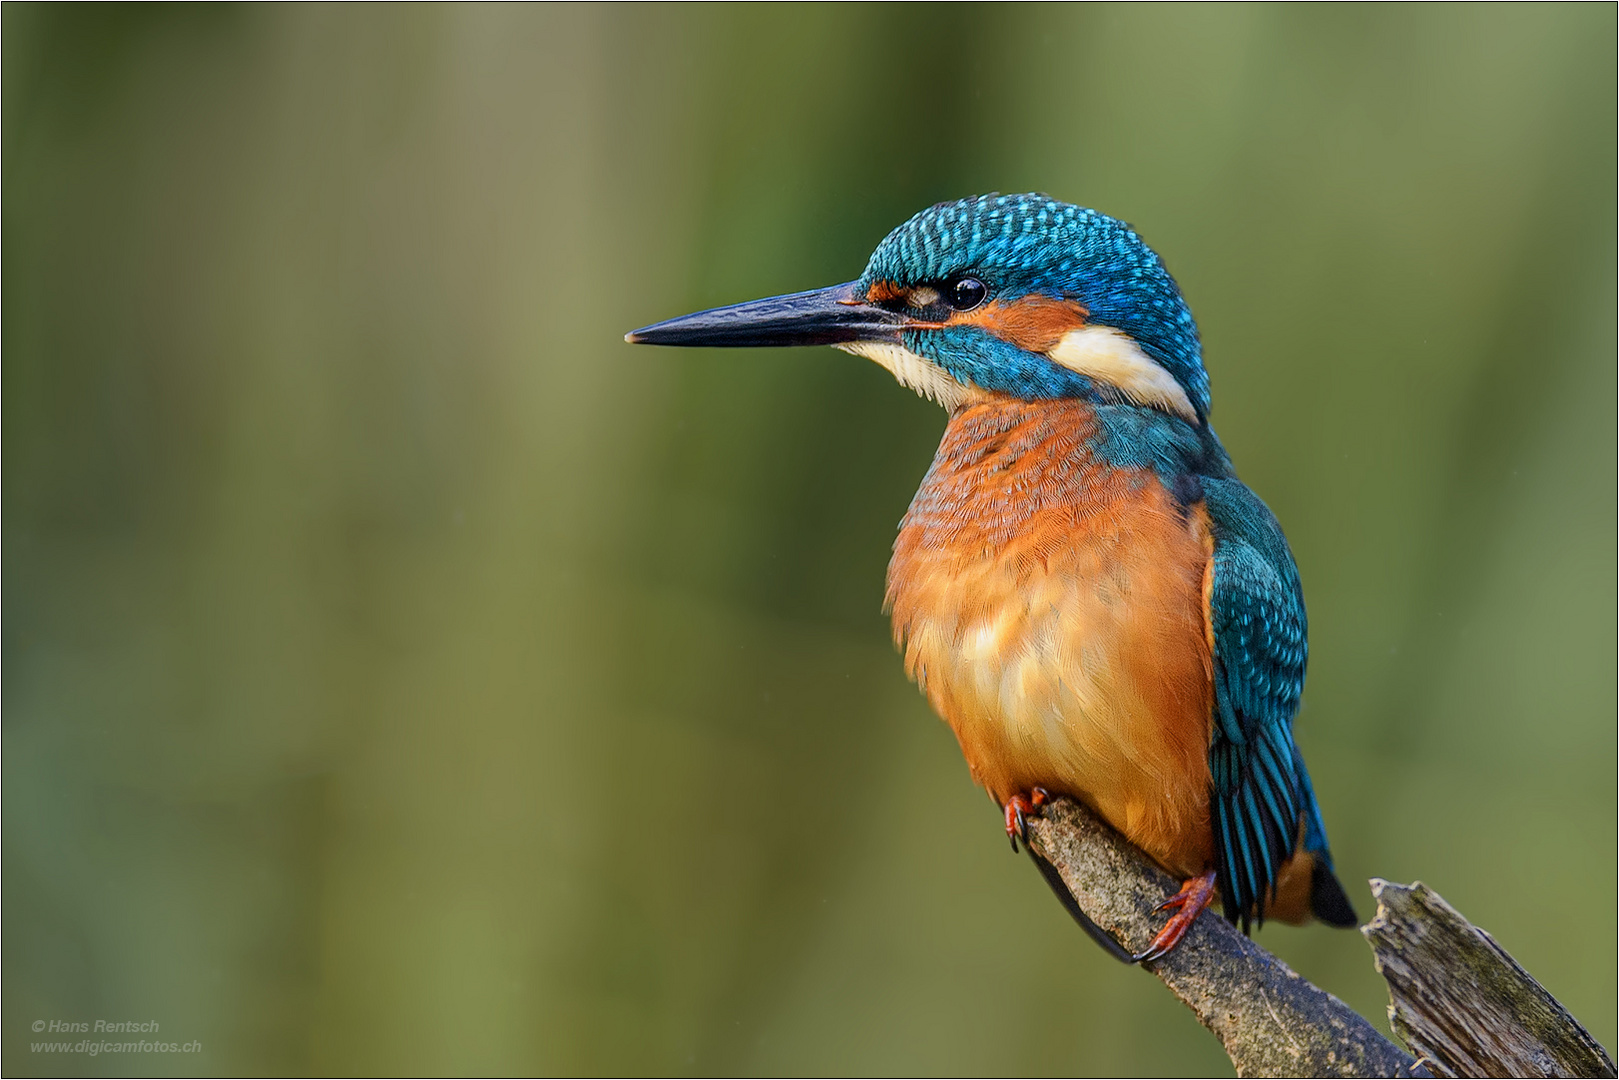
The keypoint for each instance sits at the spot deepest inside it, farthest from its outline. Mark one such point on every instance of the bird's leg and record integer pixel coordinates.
(1022, 806)
(1187, 904)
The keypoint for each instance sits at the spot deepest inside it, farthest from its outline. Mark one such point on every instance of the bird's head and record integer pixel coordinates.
(1019, 295)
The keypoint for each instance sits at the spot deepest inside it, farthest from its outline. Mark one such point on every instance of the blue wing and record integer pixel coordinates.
(1262, 798)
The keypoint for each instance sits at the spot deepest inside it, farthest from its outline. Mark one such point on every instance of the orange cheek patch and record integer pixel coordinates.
(1034, 323)
(881, 292)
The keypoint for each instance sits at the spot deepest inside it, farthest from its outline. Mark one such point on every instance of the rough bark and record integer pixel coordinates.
(1463, 1004)
(1271, 1021)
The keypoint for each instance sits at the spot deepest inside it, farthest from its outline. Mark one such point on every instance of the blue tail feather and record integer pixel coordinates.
(1328, 901)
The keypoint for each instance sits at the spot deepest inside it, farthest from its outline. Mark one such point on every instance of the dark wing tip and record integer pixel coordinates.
(1328, 901)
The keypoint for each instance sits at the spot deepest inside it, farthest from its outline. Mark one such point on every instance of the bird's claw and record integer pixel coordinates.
(1019, 809)
(1187, 904)
(1151, 953)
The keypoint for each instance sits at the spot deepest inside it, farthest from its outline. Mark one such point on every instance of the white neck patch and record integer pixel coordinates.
(913, 371)
(1112, 357)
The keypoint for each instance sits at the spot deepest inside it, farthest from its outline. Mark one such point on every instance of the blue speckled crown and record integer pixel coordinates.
(1031, 244)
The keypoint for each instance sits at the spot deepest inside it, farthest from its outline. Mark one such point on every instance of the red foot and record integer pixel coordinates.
(1187, 904)
(1023, 806)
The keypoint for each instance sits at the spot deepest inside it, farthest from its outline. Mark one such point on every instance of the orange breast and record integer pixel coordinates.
(1053, 609)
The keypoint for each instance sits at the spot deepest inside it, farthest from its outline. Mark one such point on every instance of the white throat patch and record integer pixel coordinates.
(1110, 356)
(916, 372)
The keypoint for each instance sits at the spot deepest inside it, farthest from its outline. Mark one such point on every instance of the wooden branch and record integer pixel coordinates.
(1271, 1021)
(1462, 1003)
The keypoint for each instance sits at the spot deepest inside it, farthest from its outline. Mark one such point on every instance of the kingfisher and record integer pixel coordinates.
(1081, 587)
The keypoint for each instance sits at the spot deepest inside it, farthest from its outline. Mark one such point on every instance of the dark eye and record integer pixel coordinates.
(965, 293)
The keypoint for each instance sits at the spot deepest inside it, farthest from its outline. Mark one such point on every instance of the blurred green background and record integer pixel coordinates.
(402, 674)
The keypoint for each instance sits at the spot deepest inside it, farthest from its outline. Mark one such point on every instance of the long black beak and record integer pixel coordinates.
(822, 317)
